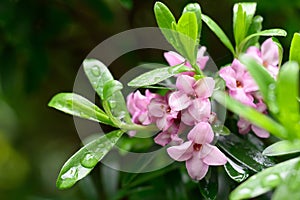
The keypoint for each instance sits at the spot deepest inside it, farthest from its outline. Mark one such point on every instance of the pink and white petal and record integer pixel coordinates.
(204, 87)
(201, 133)
(240, 95)
(270, 52)
(244, 126)
(187, 119)
(175, 140)
(179, 101)
(273, 70)
(181, 152)
(185, 84)
(173, 58)
(214, 157)
(163, 138)
(260, 132)
(163, 123)
(196, 168)
(156, 108)
(248, 83)
(229, 76)
(202, 62)
(255, 53)
(239, 69)
(200, 109)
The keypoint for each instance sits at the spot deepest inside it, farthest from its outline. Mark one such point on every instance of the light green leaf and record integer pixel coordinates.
(282, 148)
(244, 152)
(295, 48)
(287, 91)
(250, 114)
(280, 50)
(111, 87)
(242, 18)
(195, 8)
(187, 29)
(214, 27)
(98, 74)
(235, 171)
(84, 160)
(261, 76)
(157, 75)
(220, 129)
(255, 27)
(264, 181)
(79, 106)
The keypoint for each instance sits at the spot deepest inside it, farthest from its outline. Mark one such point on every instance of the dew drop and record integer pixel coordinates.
(244, 193)
(95, 71)
(271, 181)
(89, 161)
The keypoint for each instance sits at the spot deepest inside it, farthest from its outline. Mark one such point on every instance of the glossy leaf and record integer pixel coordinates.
(282, 148)
(98, 74)
(157, 75)
(209, 185)
(187, 29)
(290, 186)
(250, 114)
(264, 181)
(84, 160)
(79, 106)
(295, 48)
(244, 152)
(195, 8)
(214, 27)
(261, 76)
(242, 18)
(235, 171)
(255, 27)
(110, 88)
(280, 50)
(287, 91)
(220, 129)
(165, 19)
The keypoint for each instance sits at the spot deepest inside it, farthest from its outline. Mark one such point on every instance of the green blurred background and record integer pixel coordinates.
(42, 45)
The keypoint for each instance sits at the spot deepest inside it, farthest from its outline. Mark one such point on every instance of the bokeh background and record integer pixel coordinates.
(42, 45)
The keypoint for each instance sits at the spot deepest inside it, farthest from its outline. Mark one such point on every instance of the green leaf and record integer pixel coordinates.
(264, 181)
(110, 88)
(209, 185)
(282, 148)
(255, 27)
(235, 171)
(261, 76)
(242, 18)
(287, 92)
(79, 106)
(157, 75)
(165, 19)
(98, 74)
(220, 129)
(214, 27)
(84, 160)
(195, 8)
(187, 29)
(280, 50)
(289, 189)
(244, 152)
(250, 114)
(295, 48)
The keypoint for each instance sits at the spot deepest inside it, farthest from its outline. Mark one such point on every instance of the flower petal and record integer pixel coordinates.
(214, 157)
(201, 133)
(204, 87)
(260, 132)
(179, 101)
(173, 58)
(229, 76)
(186, 118)
(270, 53)
(200, 109)
(243, 125)
(181, 152)
(196, 168)
(185, 84)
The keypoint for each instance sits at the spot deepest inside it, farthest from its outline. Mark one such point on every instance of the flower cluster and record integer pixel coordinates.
(186, 108)
(243, 88)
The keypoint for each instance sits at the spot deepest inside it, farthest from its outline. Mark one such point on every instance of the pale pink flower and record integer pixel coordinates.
(174, 58)
(190, 91)
(197, 152)
(267, 55)
(239, 82)
(137, 105)
(169, 136)
(161, 113)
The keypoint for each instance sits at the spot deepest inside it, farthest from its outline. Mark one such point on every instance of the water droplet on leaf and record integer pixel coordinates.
(271, 181)
(89, 161)
(95, 71)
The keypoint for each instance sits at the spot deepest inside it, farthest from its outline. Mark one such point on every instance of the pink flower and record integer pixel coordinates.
(169, 136)
(190, 91)
(239, 82)
(137, 105)
(245, 126)
(268, 56)
(197, 152)
(174, 58)
(160, 112)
